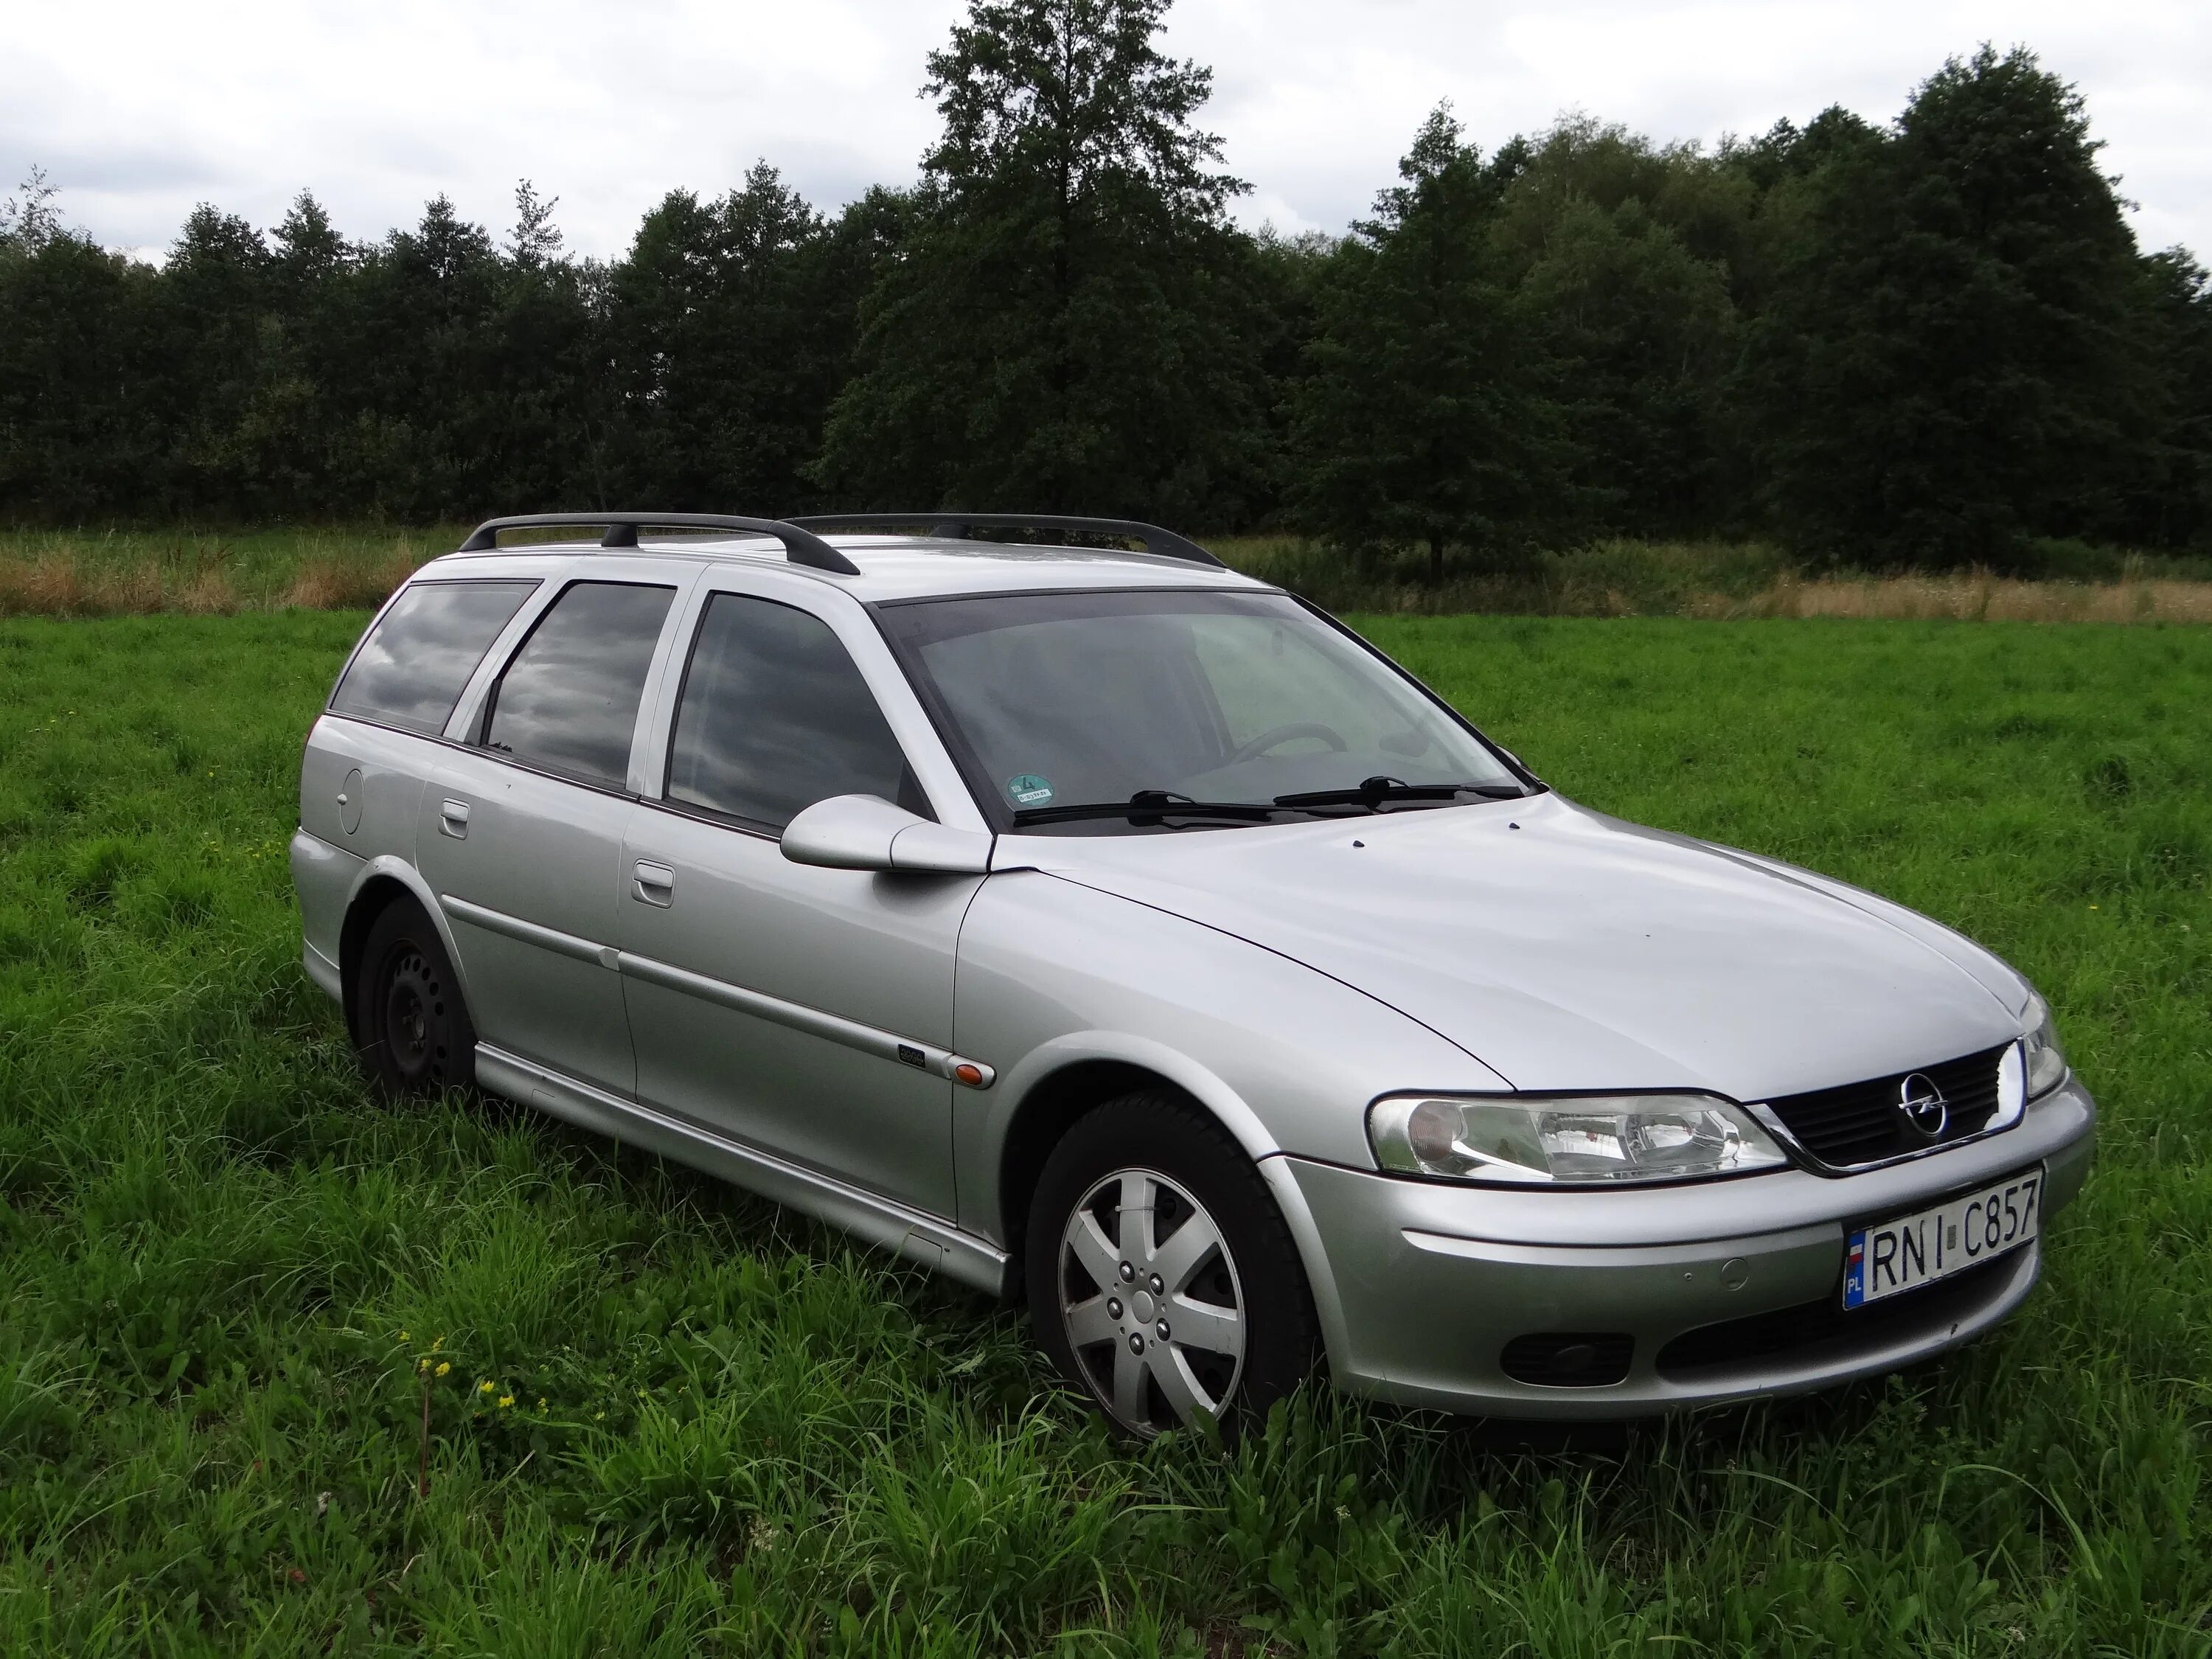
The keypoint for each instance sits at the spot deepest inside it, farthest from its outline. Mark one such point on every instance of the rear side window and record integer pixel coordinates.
(411, 668)
(775, 717)
(568, 699)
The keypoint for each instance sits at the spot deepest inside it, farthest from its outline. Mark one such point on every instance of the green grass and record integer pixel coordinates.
(222, 1265)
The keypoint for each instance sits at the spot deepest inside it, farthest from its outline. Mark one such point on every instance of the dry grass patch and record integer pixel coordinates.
(1976, 596)
(121, 573)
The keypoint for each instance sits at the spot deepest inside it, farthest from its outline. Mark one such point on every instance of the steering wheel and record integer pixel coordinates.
(1282, 734)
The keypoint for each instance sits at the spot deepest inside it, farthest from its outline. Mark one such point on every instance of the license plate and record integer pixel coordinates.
(1887, 1257)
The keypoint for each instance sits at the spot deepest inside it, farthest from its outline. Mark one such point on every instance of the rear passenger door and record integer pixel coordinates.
(521, 828)
(734, 955)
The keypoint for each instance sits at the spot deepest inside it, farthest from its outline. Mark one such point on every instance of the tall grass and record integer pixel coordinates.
(116, 573)
(672, 1420)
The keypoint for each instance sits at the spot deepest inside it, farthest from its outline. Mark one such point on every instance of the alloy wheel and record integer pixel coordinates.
(1150, 1301)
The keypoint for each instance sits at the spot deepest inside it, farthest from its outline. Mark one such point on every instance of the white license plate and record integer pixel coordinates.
(1902, 1254)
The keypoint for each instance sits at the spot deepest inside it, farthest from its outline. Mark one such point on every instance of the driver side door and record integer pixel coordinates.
(801, 1011)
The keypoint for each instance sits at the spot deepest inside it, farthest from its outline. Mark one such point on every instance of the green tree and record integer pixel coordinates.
(1423, 418)
(82, 428)
(732, 325)
(1067, 325)
(1947, 366)
(1619, 253)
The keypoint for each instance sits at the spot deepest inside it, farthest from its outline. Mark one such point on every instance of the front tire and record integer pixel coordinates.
(412, 1028)
(1161, 1277)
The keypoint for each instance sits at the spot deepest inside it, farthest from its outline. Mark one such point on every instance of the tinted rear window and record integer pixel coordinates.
(411, 668)
(568, 700)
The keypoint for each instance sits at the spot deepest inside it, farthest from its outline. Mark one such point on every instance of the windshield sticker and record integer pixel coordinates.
(1028, 789)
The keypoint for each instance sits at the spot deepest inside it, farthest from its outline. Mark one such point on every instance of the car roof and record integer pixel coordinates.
(895, 568)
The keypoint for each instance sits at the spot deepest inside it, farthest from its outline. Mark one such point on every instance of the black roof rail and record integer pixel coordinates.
(1165, 542)
(800, 545)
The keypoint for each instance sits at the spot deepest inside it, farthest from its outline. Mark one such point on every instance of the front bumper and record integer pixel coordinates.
(1422, 1284)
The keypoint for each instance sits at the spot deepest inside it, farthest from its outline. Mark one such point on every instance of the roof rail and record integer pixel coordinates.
(1164, 543)
(800, 546)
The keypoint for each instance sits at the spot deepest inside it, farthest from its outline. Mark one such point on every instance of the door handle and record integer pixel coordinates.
(656, 883)
(454, 819)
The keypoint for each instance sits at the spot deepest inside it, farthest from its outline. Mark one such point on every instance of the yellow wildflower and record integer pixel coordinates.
(484, 1386)
(505, 1400)
(443, 1366)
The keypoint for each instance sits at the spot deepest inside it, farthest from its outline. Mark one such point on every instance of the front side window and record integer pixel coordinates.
(775, 716)
(1062, 701)
(568, 700)
(411, 669)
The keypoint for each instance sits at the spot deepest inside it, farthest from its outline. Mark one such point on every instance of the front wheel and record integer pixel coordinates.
(412, 1029)
(1162, 1280)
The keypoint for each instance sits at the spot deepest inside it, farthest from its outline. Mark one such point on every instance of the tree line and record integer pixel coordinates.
(1933, 341)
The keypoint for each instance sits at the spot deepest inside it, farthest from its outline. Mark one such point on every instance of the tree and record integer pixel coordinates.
(1618, 254)
(1066, 325)
(732, 327)
(30, 221)
(1946, 367)
(1423, 418)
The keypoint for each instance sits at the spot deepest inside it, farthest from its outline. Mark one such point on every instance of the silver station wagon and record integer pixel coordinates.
(1116, 932)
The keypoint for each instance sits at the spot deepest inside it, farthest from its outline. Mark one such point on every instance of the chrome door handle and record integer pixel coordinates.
(656, 883)
(454, 819)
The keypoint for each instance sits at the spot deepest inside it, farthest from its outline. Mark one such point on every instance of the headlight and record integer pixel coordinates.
(2046, 1063)
(1595, 1140)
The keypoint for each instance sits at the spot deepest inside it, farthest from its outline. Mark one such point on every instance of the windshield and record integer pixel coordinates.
(1068, 700)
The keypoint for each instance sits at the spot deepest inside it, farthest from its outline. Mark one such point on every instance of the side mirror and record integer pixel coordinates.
(866, 832)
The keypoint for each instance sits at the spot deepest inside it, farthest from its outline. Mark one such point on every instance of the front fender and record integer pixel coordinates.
(1052, 973)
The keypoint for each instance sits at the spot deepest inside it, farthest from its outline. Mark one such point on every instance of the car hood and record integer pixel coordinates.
(1567, 950)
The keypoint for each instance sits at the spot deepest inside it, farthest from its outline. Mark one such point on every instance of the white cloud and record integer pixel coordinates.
(139, 110)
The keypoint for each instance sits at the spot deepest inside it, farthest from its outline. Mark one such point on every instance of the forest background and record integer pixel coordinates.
(1930, 344)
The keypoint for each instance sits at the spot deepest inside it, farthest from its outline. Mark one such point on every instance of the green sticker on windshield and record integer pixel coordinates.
(1028, 789)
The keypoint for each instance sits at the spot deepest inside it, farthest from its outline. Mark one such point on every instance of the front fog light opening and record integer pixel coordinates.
(1570, 1140)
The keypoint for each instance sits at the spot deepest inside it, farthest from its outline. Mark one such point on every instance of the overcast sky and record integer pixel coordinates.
(138, 110)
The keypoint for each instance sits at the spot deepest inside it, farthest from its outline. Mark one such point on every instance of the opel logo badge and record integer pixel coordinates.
(1921, 1103)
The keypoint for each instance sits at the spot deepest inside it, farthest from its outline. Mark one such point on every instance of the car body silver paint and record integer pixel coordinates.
(1434, 1277)
(1568, 951)
(1280, 975)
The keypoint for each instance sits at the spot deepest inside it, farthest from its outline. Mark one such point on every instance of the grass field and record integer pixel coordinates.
(663, 1419)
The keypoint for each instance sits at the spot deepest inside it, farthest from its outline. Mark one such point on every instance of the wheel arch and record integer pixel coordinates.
(382, 883)
(1053, 1089)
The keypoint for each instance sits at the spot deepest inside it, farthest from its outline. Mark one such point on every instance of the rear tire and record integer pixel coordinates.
(412, 1028)
(1161, 1277)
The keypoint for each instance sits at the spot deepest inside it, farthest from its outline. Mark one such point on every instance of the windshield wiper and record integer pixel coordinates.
(1372, 792)
(1152, 803)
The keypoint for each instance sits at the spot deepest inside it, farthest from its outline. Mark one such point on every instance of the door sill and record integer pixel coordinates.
(929, 1240)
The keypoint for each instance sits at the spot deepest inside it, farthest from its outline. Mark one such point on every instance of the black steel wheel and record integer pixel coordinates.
(410, 1025)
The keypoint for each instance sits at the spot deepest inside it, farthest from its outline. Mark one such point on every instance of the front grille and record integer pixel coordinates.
(1860, 1123)
(1826, 1328)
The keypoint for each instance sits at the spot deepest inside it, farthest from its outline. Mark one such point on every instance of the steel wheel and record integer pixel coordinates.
(411, 1024)
(413, 1000)
(1150, 1301)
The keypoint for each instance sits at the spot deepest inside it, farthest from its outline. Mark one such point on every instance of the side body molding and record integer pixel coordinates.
(884, 1045)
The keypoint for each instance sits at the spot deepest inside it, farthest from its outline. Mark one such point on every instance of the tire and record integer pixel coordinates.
(1232, 1296)
(412, 1029)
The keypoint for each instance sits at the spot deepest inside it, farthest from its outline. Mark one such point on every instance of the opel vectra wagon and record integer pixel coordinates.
(1110, 931)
